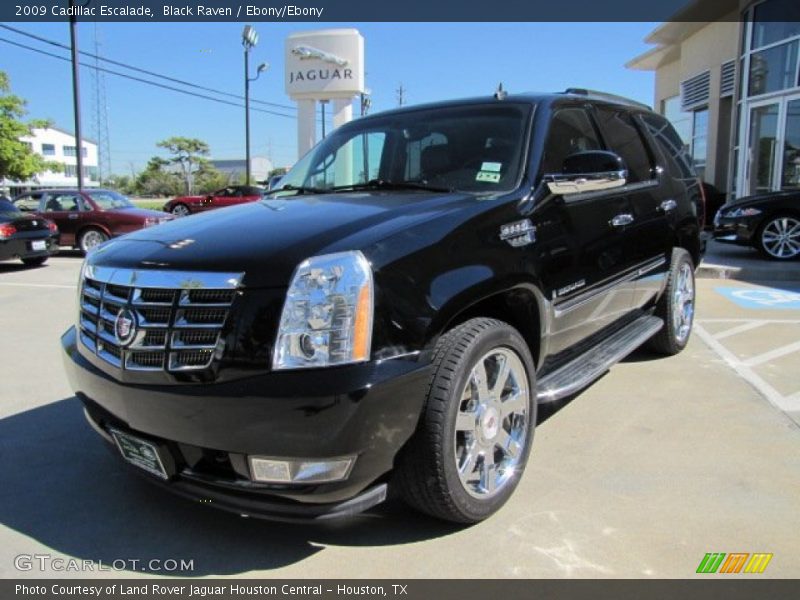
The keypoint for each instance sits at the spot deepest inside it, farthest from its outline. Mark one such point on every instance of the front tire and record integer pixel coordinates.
(476, 428)
(676, 306)
(779, 237)
(181, 210)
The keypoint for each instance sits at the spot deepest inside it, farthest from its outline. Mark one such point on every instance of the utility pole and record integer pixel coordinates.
(101, 115)
(322, 104)
(366, 102)
(76, 95)
(401, 95)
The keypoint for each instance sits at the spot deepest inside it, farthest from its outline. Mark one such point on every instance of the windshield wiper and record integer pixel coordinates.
(383, 184)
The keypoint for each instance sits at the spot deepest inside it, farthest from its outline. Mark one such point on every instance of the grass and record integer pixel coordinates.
(151, 203)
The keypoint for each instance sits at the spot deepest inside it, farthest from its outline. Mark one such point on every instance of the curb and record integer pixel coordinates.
(712, 271)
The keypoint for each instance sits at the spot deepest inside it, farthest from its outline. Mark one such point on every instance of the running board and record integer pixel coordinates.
(583, 370)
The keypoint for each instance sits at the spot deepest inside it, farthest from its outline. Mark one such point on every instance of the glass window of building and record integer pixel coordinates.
(700, 140)
(680, 119)
(775, 20)
(791, 147)
(773, 69)
(48, 149)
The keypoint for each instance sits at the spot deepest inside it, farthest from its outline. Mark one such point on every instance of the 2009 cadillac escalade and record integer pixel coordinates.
(392, 316)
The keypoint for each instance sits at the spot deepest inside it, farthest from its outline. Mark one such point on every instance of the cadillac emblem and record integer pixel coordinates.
(125, 327)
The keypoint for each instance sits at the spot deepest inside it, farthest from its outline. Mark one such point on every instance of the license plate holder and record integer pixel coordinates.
(140, 453)
(38, 245)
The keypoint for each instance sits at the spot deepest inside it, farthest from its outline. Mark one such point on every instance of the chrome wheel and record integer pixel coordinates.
(492, 423)
(780, 238)
(180, 210)
(683, 303)
(92, 238)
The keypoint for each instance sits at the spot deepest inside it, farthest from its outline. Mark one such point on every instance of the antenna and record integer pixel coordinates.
(100, 115)
(401, 95)
(500, 94)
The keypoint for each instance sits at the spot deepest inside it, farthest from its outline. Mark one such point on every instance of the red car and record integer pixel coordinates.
(233, 194)
(86, 219)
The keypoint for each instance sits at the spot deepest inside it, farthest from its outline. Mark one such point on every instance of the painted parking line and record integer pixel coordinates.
(786, 403)
(38, 285)
(767, 298)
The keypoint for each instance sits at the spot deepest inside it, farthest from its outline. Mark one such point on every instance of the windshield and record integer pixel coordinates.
(475, 148)
(108, 200)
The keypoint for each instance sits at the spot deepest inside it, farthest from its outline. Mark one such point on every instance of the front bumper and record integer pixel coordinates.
(735, 230)
(368, 410)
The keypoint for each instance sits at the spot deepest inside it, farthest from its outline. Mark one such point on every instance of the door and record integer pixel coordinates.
(227, 197)
(762, 144)
(66, 209)
(790, 155)
(581, 241)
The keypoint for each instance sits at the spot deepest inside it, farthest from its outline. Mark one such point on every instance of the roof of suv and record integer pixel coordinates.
(524, 98)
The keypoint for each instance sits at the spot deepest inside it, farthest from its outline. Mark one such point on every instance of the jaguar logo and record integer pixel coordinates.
(125, 327)
(307, 53)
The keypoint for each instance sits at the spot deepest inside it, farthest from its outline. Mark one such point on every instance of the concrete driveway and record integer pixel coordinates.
(641, 475)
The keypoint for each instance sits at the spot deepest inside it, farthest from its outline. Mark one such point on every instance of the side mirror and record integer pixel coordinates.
(590, 171)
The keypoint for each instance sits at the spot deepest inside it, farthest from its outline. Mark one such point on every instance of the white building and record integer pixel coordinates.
(236, 168)
(57, 145)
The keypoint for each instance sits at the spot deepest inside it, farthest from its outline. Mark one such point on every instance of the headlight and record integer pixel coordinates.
(742, 212)
(327, 314)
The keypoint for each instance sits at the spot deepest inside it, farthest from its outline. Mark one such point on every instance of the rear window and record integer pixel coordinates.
(675, 152)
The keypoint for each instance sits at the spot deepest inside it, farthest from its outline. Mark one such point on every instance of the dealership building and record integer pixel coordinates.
(57, 146)
(728, 77)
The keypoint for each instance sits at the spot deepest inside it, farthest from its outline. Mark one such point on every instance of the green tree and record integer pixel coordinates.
(17, 160)
(156, 180)
(189, 154)
(209, 179)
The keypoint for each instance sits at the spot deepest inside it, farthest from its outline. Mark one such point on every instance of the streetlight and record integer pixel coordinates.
(249, 40)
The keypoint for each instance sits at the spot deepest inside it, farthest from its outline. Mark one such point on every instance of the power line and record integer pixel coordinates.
(143, 71)
(146, 81)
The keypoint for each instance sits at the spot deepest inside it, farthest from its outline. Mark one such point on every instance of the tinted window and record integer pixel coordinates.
(109, 200)
(624, 138)
(672, 147)
(27, 203)
(571, 131)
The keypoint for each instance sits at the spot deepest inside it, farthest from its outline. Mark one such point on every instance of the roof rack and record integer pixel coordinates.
(605, 96)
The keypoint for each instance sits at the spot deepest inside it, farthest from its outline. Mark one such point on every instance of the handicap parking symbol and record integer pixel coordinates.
(765, 298)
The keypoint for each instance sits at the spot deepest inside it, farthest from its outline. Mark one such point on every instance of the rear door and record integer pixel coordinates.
(584, 256)
(648, 234)
(227, 197)
(66, 209)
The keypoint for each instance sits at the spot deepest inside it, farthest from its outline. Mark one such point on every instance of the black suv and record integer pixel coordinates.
(391, 317)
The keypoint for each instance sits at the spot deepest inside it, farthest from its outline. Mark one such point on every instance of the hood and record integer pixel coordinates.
(187, 199)
(764, 198)
(267, 239)
(139, 213)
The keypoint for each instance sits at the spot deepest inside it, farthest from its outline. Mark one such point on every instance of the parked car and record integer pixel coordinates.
(768, 222)
(26, 237)
(228, 196)
(86, 219)
(396, 324)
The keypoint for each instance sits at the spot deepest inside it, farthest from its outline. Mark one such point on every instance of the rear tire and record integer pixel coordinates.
(475, 431)
(676, 306)
(35, 261)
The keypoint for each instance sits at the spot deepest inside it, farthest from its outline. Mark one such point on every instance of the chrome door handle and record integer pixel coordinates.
(668, 205)
(621, 220)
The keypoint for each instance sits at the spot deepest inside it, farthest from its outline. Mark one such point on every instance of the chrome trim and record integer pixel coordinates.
(93, 320)
(146, 278)
(582, 183)
(588, 295)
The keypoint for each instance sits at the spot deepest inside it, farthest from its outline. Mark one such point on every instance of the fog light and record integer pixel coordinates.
(300, 470)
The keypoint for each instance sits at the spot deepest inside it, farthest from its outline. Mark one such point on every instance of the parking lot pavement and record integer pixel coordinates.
(641, 475)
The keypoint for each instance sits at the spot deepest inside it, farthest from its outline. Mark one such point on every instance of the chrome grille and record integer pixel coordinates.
(178, 317)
